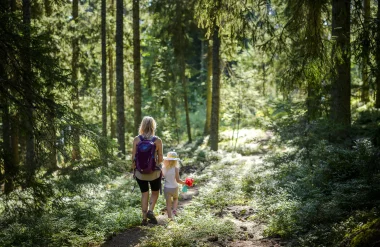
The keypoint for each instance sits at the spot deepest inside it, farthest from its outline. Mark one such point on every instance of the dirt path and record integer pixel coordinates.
(248, 233)
(132, 237)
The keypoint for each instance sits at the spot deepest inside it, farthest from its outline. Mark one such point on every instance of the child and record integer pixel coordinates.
(171, 174)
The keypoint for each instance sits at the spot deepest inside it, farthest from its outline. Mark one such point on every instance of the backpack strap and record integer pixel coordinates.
(154, 138)
(141, 138)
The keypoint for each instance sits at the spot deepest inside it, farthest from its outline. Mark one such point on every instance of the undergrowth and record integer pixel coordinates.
(313, 190)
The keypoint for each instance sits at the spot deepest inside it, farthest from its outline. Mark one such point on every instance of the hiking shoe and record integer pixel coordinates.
(151, 217)
(174, 212)
(144, 222)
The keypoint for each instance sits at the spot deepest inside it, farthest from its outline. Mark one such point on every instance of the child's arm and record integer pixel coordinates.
(177, 177)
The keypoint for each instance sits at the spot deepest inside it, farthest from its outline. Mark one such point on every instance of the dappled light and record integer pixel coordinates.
(154, 123)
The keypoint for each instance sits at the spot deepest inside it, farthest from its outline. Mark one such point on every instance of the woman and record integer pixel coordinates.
(147, 132)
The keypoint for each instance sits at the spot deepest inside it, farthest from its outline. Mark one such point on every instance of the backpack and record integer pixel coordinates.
(145, 159)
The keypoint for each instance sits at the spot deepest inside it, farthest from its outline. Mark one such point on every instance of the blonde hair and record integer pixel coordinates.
(147, 127)
(170, 163)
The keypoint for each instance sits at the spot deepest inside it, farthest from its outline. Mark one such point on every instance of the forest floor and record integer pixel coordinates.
(248, 231)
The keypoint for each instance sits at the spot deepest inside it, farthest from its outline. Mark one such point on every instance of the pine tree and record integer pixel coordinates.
(28, 96)
(340, 111)
(104, 68)
(136, 65)
(120, 77)
(180, 49)
(366, 47)
(377, 55)
(209, 89)
(74, 79)
(214, 130)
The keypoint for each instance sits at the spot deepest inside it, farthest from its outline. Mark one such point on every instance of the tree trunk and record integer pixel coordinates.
(209, 88)
(312, 102)
(366, 44)
(51, 132)
(340, 112)
(15, 140)
(120, 77)
(111, 73)
(184, 86)
(377, 103)
(48, 8)
(180, 46)
(7, 149)
(75, 155)
(202, 72)
(111, 92)
(214, 131)
(264, 77)
(136, 65)
(28, 87)
(314, 26)
(12, 5)
(104, 69)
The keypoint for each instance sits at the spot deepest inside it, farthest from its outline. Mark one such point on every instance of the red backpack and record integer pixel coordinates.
(145, 159)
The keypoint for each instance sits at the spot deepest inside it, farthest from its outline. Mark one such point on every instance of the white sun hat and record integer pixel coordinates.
(171, 156)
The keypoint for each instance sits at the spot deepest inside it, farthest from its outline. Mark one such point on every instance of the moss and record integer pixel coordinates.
(367, 235)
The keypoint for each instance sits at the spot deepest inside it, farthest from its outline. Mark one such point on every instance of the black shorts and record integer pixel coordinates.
(155, 185)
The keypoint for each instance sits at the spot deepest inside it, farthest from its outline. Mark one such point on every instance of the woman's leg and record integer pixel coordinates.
(155, 186)
(144, 203)
(153, 200)
(144, 188)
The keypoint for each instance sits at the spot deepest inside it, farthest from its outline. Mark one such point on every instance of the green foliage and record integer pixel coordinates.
(311, 183)
(367, 234)
(72, 220)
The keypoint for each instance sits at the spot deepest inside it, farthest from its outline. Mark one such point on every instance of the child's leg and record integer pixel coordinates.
(168, 199)
(175, 200)
(169, 206)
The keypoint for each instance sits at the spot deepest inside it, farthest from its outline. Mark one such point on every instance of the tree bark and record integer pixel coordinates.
(111, 92)
(179, 50)
(111, 73)
(75, 155)
(7, 149)
(12, 4)
(120, 77)
(366, 44)
(184, 86)
(340, 112)
(51, 132)
(15, 139)
(28, 87)
(104, 69)
(209, 89)
(377, 103)
(136, 65)
(48, 8)
(214, 131)
(314, 25)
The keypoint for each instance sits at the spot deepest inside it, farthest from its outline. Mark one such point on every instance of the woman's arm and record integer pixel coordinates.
(135, 141)
(177, 177)
(159, 151)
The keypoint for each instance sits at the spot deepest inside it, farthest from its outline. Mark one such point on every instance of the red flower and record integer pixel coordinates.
(189, 182)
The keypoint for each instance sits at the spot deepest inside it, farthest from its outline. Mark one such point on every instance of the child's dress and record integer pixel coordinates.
(171, 185)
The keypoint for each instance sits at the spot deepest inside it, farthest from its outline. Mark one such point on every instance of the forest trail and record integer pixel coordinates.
(248, 232)
(132, 237)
